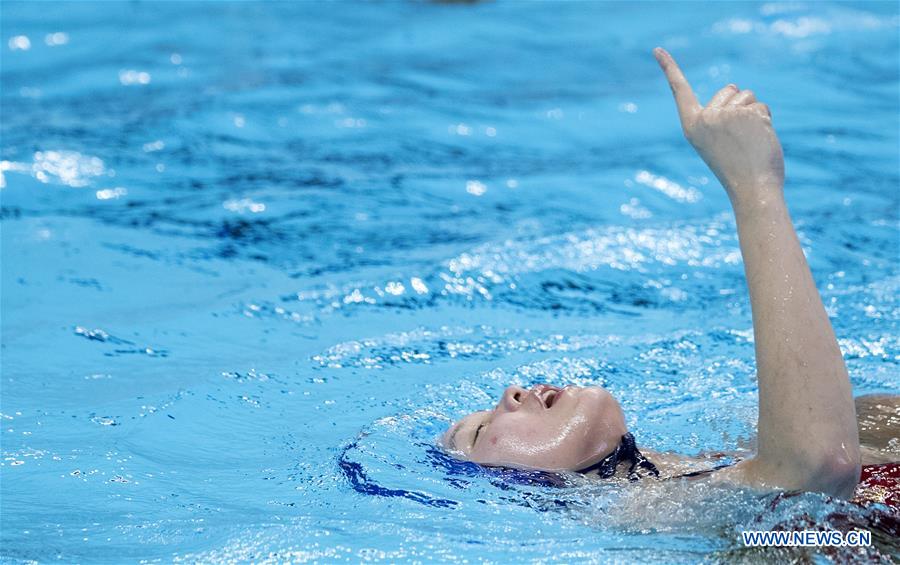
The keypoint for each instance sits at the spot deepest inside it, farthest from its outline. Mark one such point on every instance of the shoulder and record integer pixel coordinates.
(675, 465)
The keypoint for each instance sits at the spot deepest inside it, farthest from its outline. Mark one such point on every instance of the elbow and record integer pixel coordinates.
(835, 474)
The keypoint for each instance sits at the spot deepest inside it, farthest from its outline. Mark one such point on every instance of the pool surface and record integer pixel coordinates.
(257, 256)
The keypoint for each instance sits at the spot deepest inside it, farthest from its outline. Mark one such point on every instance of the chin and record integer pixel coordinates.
(601, 404)
(605, 421)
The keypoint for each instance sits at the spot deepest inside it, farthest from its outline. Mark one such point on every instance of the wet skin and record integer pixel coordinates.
(546, 427)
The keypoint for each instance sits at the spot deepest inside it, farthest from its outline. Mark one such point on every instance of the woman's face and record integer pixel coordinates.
(547, 428)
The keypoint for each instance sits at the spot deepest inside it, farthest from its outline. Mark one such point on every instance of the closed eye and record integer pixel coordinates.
(478, 431)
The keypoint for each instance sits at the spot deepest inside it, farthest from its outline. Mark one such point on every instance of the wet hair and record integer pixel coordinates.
(626, 451)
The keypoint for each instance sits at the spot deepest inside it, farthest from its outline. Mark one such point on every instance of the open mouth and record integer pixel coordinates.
(547, 394)
(550, 398)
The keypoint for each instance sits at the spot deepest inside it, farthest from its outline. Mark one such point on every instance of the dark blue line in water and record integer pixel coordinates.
(362, 484)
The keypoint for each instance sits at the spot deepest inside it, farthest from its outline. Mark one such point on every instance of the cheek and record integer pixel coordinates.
(513, 437)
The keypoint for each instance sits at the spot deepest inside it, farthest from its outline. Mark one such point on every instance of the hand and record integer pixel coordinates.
(733, 134)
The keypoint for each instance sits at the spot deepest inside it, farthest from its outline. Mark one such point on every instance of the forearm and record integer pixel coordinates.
(807, 421)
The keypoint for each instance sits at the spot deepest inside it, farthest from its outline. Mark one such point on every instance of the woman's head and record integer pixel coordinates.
(547, 428)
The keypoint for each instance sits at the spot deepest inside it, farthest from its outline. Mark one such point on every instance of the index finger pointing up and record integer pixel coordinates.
(685, 99)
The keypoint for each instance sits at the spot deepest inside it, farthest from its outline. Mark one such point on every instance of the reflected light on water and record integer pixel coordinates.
(132, 77)
(460, 129)
(157, 145)
(418, 285)
(67, 167)
(671, 189)
(111, 193)
(633, 209)
(395, 288)
(10, 166)
(244, 205)
(19, 43)
(56, 39)
(475, 188)
(802, 27)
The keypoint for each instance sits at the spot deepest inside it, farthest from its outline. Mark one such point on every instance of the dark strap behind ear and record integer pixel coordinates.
(637, 460)
(606, 467)
(626, 451)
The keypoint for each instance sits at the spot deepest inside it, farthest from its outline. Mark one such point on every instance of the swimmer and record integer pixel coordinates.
(808, 436)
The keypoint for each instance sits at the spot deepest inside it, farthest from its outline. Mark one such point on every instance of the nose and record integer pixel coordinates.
(512, 400)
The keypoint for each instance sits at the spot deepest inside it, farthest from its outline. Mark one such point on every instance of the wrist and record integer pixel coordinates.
(756, 197)
(767, 209)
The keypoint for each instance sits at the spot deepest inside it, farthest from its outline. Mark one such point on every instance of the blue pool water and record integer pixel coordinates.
(256, 257)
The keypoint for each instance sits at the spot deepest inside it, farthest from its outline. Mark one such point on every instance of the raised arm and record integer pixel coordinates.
(807, 422)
